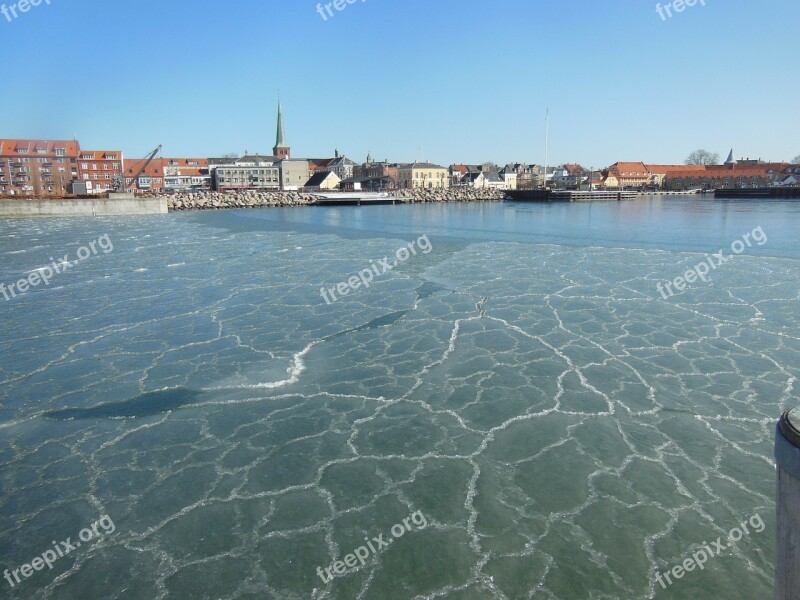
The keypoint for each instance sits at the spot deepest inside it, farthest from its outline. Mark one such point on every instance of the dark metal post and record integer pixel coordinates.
(787, 457)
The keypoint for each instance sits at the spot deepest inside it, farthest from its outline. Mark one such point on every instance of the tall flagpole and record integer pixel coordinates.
(546, 146)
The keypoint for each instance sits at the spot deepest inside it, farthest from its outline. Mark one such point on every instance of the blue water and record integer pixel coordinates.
(565, 431)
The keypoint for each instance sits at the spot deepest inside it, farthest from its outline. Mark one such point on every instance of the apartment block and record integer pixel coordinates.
(38, 167)
(100, 167)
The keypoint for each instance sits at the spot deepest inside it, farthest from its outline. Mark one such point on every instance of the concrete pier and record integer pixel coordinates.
(120, 204)
(787, 457)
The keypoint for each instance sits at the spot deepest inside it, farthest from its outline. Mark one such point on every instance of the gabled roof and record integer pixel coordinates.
(341, 161)
(319, 178)
(627, 168)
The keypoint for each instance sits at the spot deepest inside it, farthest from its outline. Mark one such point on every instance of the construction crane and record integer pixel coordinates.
(119, 180)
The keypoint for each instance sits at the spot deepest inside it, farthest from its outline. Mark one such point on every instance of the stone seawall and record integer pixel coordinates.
(251, 199)
(81, 207)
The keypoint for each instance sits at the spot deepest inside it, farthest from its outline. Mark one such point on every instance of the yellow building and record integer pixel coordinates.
(628, 175)
(423, 176)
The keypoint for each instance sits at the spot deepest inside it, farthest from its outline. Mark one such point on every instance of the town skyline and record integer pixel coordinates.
(410, 80)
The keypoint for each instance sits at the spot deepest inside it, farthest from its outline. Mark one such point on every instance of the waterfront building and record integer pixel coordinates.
(570, 175)
(423, 175)
(529, 177)
(375, 175)
(458, 175)
(492, 180)
(324, 180)
(509, 176)
(246, 173)
(744, 173)
(729, 175)
(186, 174)
(38, 167)
(100, 167)
(473, 179)
(659, 173)
(339, 164)
(623, 175)
(294, 173)
(151, 179)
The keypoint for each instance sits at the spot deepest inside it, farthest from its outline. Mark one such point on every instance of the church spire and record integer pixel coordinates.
(281, 149)
(731, 160)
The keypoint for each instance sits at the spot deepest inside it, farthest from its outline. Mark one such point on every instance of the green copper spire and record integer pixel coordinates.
(280, 138)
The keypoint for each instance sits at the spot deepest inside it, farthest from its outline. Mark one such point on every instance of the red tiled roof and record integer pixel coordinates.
(662, 169)
(629, 167)
(100, 154)
(9, 147)
(154, 169)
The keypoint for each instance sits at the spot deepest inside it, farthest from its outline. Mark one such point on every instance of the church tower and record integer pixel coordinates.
(281, 149)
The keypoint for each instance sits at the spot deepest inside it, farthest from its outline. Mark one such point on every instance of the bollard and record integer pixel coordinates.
(787, 507)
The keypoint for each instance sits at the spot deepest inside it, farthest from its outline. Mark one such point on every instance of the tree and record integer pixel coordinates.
(796, 160)
(702, 157)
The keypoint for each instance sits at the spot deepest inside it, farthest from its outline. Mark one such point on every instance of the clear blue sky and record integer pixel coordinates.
(470, 81)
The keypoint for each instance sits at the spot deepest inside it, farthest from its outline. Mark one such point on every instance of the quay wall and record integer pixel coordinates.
(81, 207)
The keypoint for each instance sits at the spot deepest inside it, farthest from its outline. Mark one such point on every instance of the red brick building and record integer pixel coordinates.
(38, 167)
(99, 167)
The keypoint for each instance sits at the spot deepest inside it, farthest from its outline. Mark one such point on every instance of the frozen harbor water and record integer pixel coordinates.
(565, 430)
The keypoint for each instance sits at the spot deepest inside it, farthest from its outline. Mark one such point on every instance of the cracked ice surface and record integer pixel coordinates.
(565, 431)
